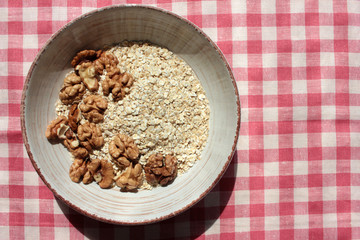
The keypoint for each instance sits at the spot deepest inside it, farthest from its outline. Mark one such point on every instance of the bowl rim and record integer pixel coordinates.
(25, 138)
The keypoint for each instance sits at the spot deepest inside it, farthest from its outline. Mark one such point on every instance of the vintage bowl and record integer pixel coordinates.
(111, 25)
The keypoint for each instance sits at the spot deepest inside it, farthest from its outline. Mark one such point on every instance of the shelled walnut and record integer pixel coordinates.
(90, 136)
(100, 170)
(74, 117)
(79, 152)
(91, 166)
(124, 150)
(131, 178)
(93, 108)
(106, 61)
(118, 85)
(72, 143)
(160, 170)
(88, 75)
(85, 55)
(77, 170)
(53, 129)
(59, 129)
(72, 90)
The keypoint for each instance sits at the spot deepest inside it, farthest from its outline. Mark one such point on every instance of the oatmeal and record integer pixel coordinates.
(147, 99)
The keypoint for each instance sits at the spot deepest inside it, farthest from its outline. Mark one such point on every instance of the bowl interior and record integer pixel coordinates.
(94, 31)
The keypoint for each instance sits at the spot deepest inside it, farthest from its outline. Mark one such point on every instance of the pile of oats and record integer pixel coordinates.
(166, 110)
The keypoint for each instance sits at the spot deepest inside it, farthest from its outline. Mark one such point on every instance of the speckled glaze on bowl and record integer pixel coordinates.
(95, 30)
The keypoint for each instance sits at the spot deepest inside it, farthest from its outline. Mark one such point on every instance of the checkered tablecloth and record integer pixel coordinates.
(296, 172)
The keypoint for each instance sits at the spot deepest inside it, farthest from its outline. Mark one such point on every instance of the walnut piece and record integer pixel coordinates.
(77, 170)
(160, 170)
(106, 61)
(93, 108)
(53, 129)
(100, 170)
(59, 129)
(72, 90)
(118, 84)
(131, 178)
(70, 139)
(123, 149)
(80, 152)
(90, 136)
(88, 75)
(74, 117)
(92, 166)
(107, 173)
(72, 143)
(85, 55)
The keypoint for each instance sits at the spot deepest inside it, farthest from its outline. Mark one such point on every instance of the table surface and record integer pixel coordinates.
(296, 171)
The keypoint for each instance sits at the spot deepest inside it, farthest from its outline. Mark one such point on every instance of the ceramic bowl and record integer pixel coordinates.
(95, 30)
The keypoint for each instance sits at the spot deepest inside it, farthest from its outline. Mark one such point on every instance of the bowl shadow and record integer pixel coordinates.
(187, 225)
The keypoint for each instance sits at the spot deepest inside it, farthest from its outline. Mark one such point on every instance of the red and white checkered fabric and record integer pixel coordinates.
(296, 173)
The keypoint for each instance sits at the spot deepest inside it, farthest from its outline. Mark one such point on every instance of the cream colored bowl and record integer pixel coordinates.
(111, 25)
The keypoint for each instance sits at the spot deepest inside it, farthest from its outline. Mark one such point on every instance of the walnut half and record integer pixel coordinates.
(160, 170)
(77, 170)
(59, 129)
(90, 136)
(131, 178)
(106, 61)
(93, 108)
(124, 150)
(118, 84)
(88, 75)
(72, 143)
(102, 171)
(72, 90)
(53, 129)
(84, 56)
(74, 117)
